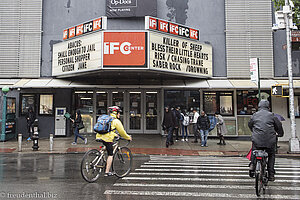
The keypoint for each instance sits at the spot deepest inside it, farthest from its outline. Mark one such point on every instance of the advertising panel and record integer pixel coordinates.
(77, 55)
(130, 8)
(87, 27)
(176, 55)
(124, 49)
(152, 23)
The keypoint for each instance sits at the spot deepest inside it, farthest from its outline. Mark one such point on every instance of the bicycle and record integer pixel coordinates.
(93, 163)
(261, 172)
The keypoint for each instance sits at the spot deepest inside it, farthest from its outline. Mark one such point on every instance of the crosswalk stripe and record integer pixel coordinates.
(205, 164)
(239, 187)
(209, 167)
(196, 194)
(225, 163)
(202, 179)
(215, 175)
(208, 170)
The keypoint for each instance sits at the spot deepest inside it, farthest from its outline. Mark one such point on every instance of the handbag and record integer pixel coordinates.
(80, 125)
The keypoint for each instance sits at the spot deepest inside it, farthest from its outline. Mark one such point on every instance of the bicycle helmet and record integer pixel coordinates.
(115, 109)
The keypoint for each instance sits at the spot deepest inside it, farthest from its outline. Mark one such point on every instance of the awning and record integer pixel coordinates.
(172, 84)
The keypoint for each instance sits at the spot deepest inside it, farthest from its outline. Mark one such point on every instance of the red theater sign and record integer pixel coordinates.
(124, 49)
(152, 23)
(87, 27)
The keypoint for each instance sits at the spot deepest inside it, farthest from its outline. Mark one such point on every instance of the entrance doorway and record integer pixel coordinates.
(141, 108)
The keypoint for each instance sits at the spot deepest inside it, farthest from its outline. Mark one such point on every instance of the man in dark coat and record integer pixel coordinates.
(203, 124)
(264, 126)
(168, 125)
(30, 118)
(177, 117)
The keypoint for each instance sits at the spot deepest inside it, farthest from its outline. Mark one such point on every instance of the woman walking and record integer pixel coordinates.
(221, 129)
(76, 125)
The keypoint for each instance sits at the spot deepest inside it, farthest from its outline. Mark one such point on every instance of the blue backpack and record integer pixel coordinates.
(103, 124)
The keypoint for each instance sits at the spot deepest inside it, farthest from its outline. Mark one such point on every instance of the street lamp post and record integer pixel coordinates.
(5, 90)
(294, 142)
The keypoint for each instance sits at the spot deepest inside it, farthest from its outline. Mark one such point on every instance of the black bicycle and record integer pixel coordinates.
(261, 172)
(93, 163)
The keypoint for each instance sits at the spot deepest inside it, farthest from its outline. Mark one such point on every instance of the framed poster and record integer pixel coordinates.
(46, 104)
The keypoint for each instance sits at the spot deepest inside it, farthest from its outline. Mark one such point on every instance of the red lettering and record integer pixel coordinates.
(163, 26)
(193, 34)
(79, 29)
(173, 29)
(152, 23)
(65, 34)
(71, 32)
(97, 24)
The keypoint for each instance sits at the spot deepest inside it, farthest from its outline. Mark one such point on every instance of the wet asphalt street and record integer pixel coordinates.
(43, 176)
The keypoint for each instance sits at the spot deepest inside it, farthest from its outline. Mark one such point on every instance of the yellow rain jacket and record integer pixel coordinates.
(116, 125)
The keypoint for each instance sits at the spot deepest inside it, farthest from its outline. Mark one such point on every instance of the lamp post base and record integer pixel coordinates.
(294, 145)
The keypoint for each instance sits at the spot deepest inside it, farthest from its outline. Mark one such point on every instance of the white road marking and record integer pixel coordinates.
(239, 187)
(194, 174)
(197, 194)
(203, 179)
(245, 171)
(209, 167)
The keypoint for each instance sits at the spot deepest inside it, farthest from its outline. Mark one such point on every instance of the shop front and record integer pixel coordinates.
(141, 108)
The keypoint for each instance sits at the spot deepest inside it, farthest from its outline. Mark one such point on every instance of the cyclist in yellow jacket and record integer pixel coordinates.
(108, 138)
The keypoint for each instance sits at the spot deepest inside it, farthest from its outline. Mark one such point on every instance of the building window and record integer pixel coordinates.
(186, 100)
(247, 101)
(11, 105)
(27, 101)
(101, 102)
(46, 104)
(221, 102)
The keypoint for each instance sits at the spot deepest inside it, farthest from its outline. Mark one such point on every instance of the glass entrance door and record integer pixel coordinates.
(135, 111)
(143, 112)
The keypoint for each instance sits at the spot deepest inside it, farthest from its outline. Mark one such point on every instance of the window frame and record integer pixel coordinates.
(218, 95)
(51, 106)
(23, 113)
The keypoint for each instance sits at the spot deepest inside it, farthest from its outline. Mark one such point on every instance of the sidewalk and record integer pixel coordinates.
(143, 144)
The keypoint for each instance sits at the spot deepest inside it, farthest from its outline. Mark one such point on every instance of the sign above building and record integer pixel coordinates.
(130, 8)
(87, 27)
(76, 55)
(124, 49)
(178, 55)
(152, 23)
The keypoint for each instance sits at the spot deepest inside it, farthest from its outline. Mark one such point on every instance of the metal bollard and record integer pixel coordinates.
(20, 142)
(51, 142)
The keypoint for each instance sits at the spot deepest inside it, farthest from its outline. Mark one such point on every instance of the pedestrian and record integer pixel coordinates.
(177, 116)
(194, 124)
(203, 125)
(77, 125)
(221, 128)
(184, 124)
(30, 118)
(168, 126)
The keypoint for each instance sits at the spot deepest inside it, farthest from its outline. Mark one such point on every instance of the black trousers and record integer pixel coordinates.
(271, 157)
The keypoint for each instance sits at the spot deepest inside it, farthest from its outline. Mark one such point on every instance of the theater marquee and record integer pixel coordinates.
(76, 55)
(176, 55)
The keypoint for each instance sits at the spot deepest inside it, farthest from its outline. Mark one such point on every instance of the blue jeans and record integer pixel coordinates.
(184, 129)
(170, 135)
(204, 134)
(76, 133)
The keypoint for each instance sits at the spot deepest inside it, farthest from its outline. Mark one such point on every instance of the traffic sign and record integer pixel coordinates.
(276, 90)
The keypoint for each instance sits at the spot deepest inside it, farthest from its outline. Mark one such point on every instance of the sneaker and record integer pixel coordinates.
(182, 140)
(108, 174)
(74, 143)
(224, 143)
(219, 143)
(176, 140)
(85, 140)
(167, 145)
(202, 145)
(271, 178)
(28, 139)
(206, 145)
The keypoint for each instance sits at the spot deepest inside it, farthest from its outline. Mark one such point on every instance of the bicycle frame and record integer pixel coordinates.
(261, 173)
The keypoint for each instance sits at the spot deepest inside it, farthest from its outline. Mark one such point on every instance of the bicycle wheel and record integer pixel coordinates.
(91, 167)
(258, 179)
(122, 162)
